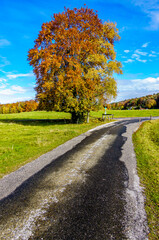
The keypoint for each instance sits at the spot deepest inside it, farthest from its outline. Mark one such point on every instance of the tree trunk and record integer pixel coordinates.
(77, 117)
(74, 117)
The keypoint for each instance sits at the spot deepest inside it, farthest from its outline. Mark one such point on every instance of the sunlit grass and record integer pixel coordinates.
(62, 115)
(36, 115)
(128, 113)
(146, 142)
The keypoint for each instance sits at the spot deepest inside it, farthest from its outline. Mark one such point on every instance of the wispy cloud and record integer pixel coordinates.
(12, 90)
(2, 80)
(13, 76)
(4, 43)
(152, 55)
(145, 45)
(154, 24)
(126, 51)
(146, 80)
(137, 56)
(14, 98)
(3, 85)
(151, 8)
(140, 52)
(4, 62)
(129, 61)
(149, 83)
(137, 87)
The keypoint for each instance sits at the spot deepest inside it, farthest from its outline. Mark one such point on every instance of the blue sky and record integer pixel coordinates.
(138, 49)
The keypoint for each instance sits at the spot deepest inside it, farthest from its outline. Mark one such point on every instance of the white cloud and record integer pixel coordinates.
(141, 60)
(152, 55)
(18, 89)
(4, 62)
(140, 52)
(145, 45)
(13, 99)
(13, 90)
(146, 80)
(126, 51)
(154, 24)
(13, 76)
(149, 83)
(151, 8)
(129, 61)
(3, 80)
(135, 55)
(7, 92)
(2, 85)
(137, 87)
(4, 43)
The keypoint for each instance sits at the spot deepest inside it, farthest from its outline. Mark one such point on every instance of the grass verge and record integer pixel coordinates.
(146, 143)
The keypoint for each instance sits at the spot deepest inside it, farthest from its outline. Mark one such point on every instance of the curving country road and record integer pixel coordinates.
(90, 192)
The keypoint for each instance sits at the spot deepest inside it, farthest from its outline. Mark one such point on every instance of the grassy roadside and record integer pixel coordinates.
(146, 143)
(21, 142)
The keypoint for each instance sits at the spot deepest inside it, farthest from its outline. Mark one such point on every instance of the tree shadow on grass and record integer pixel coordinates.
(37, 122)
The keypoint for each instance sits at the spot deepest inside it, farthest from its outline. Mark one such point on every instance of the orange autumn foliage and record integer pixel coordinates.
(18, 107)
(74, 60)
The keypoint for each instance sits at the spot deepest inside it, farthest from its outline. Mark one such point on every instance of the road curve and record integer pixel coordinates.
(90, 192)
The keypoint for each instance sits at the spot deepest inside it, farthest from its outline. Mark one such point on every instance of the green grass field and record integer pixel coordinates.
(21, 142)
(146, 142)
(35, 115)
(128, 113)
(62, 115)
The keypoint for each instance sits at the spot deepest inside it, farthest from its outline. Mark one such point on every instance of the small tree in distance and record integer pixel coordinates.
(74, 60)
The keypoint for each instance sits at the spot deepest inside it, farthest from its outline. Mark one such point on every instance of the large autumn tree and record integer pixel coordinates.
(74, 60)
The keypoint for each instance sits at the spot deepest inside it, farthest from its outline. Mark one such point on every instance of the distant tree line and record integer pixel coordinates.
(147, 102)
(18, 107)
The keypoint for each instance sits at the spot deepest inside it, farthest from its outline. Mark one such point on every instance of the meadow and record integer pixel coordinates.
(128, 113)
(23, 141)
(146, 142)
(62, 115)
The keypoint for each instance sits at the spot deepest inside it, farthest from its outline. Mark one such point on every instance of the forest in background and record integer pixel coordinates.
(146, 102)
(18, 107)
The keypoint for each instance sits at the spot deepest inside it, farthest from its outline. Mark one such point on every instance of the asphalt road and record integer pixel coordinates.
(90, 192)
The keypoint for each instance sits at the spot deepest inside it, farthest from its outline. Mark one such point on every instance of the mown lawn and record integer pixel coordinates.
(146, 142)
